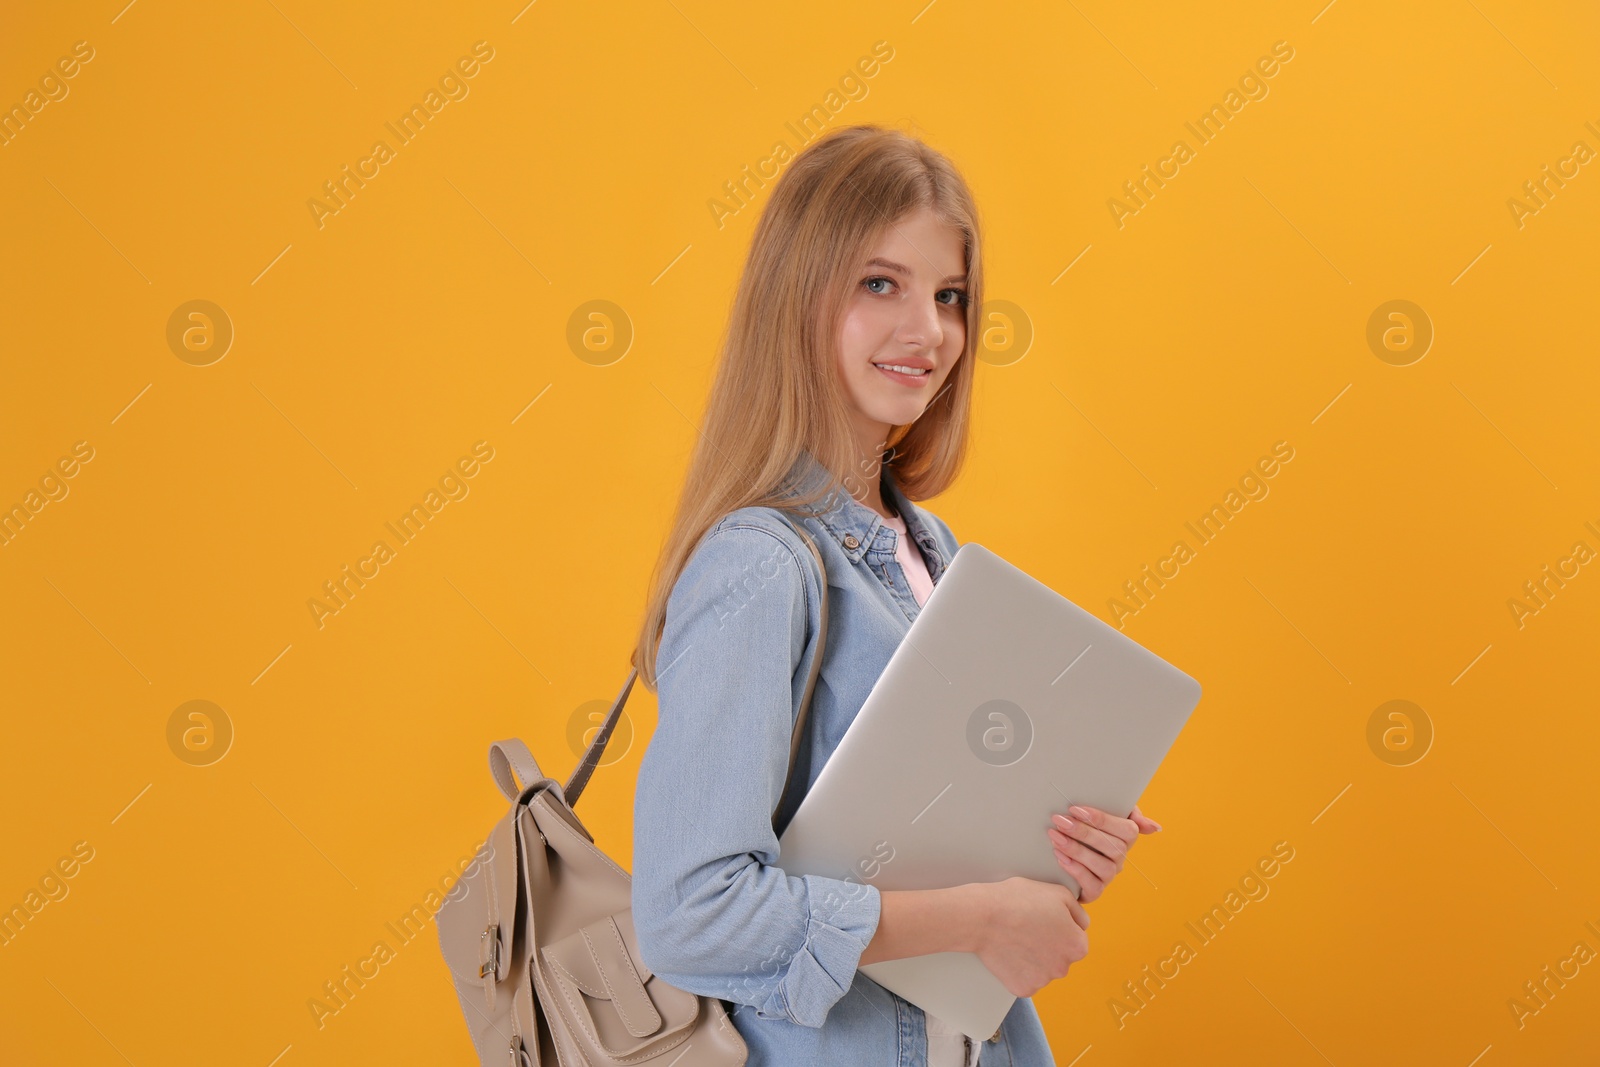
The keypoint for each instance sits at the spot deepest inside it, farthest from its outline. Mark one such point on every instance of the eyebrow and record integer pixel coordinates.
(903, 269)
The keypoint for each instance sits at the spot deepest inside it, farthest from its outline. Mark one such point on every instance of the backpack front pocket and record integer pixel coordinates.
(610, 998)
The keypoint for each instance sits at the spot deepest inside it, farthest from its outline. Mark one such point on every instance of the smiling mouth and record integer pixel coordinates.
(905, 374)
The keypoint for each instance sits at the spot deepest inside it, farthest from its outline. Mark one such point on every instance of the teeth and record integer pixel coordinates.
(914, 371)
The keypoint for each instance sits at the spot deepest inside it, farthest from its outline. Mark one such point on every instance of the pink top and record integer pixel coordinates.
(947, 1046)
(911, 561)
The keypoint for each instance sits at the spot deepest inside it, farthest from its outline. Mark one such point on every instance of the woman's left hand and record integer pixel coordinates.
(1091, 844)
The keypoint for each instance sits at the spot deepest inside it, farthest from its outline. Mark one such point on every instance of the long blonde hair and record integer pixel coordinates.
(777, 389)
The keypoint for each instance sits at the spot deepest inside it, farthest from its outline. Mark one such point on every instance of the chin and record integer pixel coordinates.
(895, 414)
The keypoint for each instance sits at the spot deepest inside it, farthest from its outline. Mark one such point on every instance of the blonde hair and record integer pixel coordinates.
(777, 389)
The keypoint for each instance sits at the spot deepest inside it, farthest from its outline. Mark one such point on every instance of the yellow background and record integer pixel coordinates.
(429, 313)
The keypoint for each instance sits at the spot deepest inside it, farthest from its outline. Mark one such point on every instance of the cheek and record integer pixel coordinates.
(850, 357)
(955, 343)
(955, 338)
(855, 339)
(867, 329)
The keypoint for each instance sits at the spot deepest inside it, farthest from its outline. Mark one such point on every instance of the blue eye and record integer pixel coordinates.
(959, 294)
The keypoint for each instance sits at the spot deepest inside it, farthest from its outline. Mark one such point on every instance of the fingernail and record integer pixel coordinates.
(1079, 812)
(1062, 821)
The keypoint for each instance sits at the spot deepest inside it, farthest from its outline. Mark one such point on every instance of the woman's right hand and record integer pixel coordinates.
(1034, 933)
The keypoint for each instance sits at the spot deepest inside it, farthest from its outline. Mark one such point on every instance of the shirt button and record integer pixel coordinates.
(850, 541)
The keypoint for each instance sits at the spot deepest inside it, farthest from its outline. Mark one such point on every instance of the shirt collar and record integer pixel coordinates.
(856, 527)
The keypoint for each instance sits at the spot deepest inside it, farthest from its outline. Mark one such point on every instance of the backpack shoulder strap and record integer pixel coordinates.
(591, 756)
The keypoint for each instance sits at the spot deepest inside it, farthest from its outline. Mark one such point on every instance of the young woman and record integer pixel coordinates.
(842, 394)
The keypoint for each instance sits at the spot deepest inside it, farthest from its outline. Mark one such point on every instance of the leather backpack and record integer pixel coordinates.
(538, 931)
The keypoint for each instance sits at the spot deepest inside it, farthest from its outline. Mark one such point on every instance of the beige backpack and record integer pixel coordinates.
(539, 938)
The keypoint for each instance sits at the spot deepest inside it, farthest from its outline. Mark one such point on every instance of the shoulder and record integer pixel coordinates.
(753, 544)
(747, 589)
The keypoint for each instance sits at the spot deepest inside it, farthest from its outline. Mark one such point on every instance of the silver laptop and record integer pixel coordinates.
(1004, 703)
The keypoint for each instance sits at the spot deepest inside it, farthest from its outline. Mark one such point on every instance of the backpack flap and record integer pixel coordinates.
(477, 923)
(611, 997)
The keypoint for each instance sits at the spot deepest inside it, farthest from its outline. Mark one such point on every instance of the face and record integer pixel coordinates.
(906, 308)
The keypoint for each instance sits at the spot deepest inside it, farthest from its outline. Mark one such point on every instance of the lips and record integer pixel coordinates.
(912, 380)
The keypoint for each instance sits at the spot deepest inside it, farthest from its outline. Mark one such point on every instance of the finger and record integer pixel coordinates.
(1079, 916)
(1090, 883)
(1104, 867)
(1104, 833)
(1124, 830)
(1146, 824)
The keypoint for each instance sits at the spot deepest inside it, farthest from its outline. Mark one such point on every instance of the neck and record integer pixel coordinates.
(872, 443)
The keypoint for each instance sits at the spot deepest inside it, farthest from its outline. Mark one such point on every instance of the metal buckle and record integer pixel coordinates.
(491, 964)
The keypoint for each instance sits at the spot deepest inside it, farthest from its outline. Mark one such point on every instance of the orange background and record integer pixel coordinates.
(431, 311)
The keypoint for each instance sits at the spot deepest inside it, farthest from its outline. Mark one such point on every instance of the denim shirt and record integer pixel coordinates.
(713, 909)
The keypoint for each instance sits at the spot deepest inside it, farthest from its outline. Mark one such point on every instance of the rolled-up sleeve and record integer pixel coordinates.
(714, 913)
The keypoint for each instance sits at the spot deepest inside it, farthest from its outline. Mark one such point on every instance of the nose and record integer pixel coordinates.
(921, 325)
